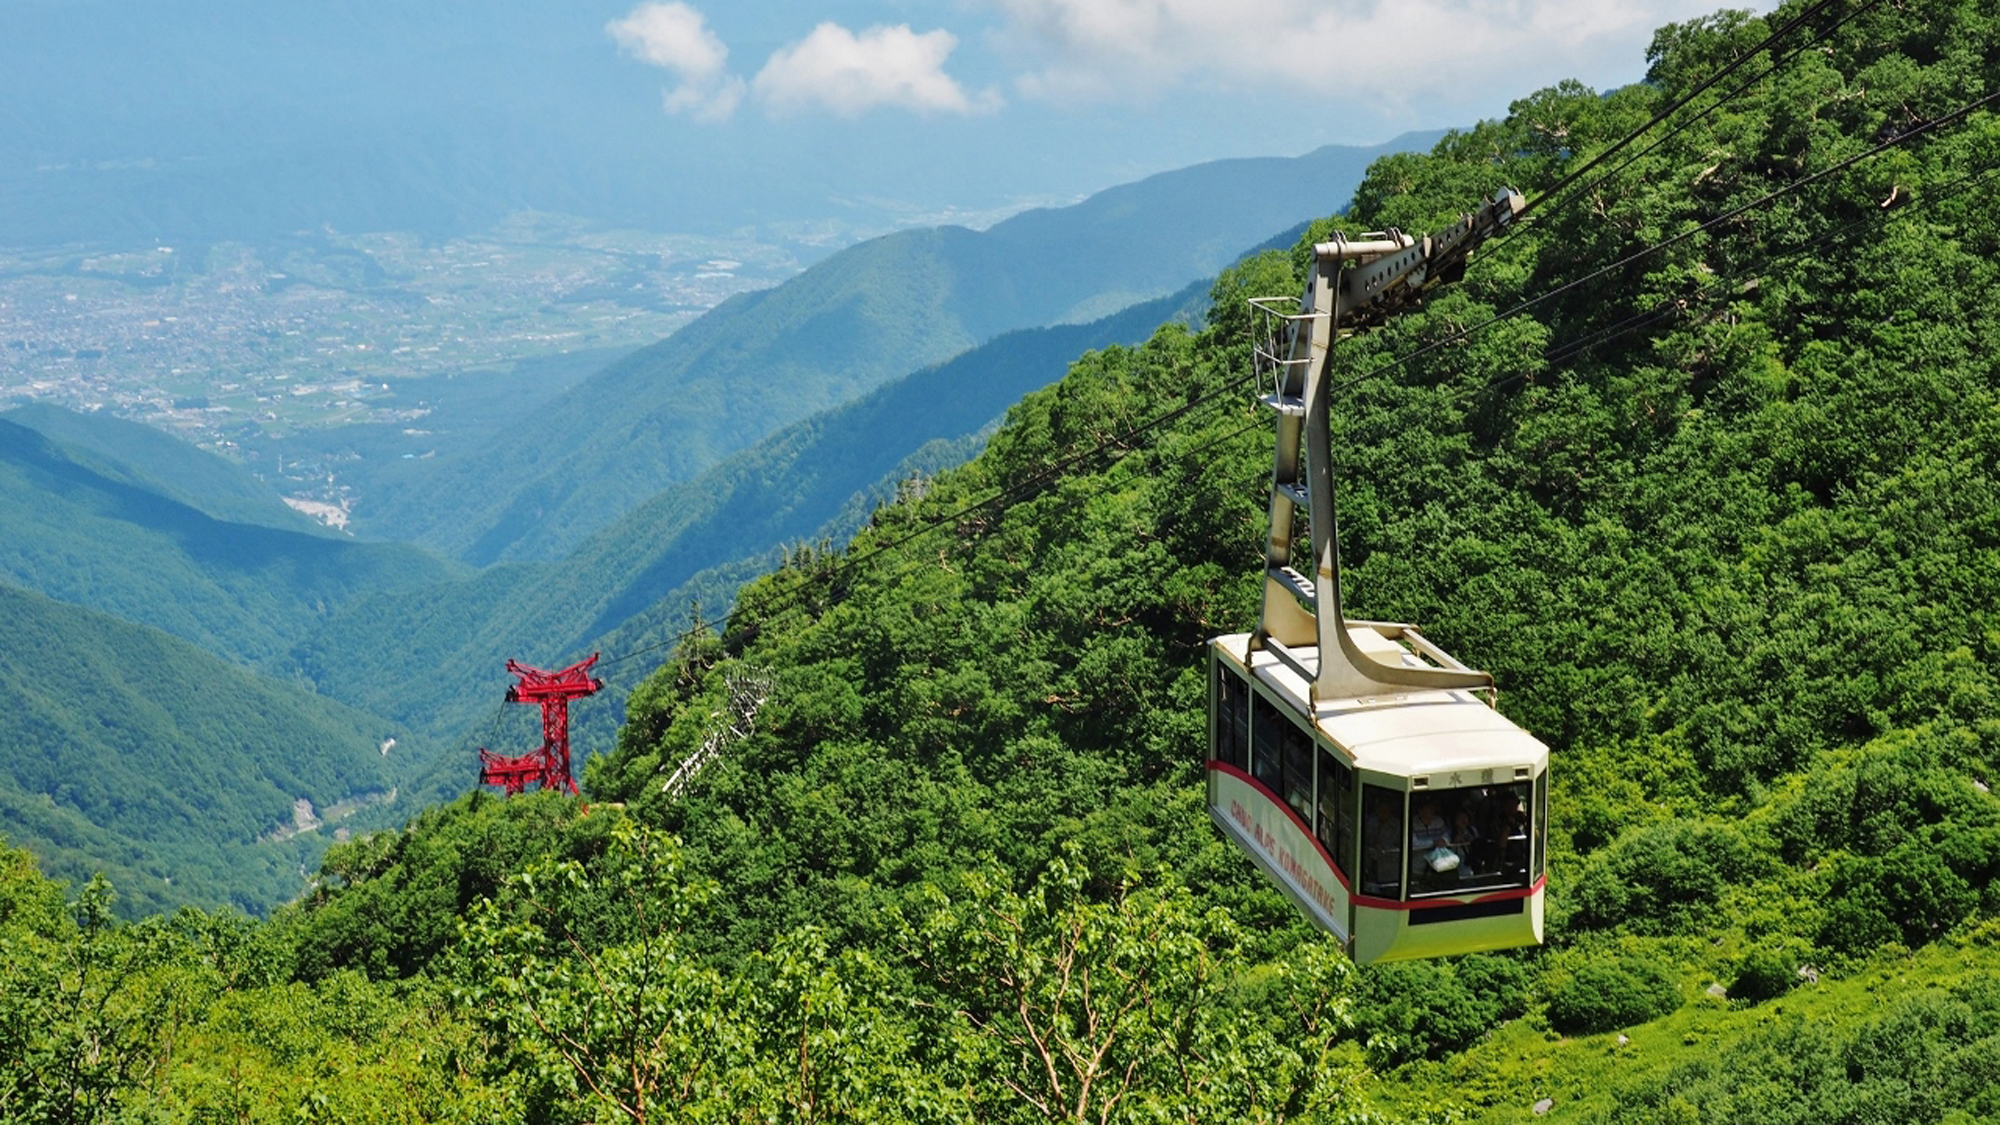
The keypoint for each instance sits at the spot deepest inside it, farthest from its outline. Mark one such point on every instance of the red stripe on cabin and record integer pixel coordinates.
(1360, 899)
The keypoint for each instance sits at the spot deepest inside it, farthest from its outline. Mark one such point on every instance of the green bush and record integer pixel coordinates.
(1427, 1009)
(1606, 995)
(1910, 895)
(1763, 974)
(1663, 878)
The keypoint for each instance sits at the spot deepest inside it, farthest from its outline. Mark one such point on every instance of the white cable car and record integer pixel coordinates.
(1361, 766)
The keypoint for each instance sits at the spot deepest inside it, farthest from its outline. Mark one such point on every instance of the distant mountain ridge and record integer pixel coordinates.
(124, 748)
(871, 313)
(140, 455)
(109, 538)
(817, 478)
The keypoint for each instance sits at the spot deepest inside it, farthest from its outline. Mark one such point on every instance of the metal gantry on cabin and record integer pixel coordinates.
(1361, 766)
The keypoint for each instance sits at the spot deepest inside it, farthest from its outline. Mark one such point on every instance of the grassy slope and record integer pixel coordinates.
(1785, 1059)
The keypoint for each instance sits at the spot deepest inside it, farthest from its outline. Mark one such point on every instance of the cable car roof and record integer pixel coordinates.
(1442, 739)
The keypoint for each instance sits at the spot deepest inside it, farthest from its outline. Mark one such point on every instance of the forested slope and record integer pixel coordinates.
(103, 535)
(1722, 520)
(426, 656)
(138, 454)
(868, 314)
(129, 751)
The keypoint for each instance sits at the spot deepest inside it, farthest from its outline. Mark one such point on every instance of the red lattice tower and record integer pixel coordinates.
(548, 766)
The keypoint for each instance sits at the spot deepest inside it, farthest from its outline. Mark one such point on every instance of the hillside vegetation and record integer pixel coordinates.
(434, 652)
(1723, 521)
(138, 454)
(81, 528)
(131, 752)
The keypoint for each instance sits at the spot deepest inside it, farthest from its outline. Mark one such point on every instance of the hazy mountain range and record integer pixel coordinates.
(597, 516)
(870, 313)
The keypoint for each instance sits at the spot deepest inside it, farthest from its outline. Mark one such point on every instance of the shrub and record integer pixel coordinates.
(1763, 974)
(1910, 895)
(1426, 1009)
(1664, 878)
(1606, 995)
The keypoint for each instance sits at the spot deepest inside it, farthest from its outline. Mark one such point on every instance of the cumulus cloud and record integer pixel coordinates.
(1381, 51)
(676, 37)
(848, 74)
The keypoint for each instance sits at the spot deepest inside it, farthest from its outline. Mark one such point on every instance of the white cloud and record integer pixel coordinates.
(836, 70)
(1381, 52)
(676, 37)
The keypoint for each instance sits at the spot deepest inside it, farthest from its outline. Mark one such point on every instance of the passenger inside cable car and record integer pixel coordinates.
(1482, 844)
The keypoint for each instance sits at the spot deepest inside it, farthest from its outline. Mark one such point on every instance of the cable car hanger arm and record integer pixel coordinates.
(1355, 283)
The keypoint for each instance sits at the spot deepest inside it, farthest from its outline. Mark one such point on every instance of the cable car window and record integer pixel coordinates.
(1232, 719)
(1336, 811)
(1296, 748)
(1265, 726)
(1541, 826)
(1381, 842)
(1476, 838)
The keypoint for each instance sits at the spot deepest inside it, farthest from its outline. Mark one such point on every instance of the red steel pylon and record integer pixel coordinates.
(548, 766)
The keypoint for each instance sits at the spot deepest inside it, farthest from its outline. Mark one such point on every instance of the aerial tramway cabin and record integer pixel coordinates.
(1406, 823)
(1362, 767)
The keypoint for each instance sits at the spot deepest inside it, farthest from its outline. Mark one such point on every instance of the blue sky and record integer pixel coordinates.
(1062, 96)
(1256, 72)
(703, 115)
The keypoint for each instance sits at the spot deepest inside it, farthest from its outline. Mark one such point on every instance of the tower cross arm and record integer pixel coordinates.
(536, 685)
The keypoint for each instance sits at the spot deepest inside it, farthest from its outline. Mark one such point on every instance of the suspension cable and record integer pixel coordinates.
(1121, 444)
(1675, 106)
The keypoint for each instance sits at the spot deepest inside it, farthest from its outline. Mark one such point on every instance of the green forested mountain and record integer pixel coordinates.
(1722, 519)
(131, 752)
(433, 656)
(871, 313)
(101, 534)
(137, 454)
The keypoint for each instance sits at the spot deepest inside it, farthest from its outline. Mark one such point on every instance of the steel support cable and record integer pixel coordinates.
(1675, 107)
(1663, 244)
(1732, 95)
(1013, 492)
(1720, 74)
(480, 733)
(788, 599)
(1563, 352)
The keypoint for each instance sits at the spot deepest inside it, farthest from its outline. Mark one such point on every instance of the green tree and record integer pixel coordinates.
(90, 1006)
(1065, 1008)
(636, 1031)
